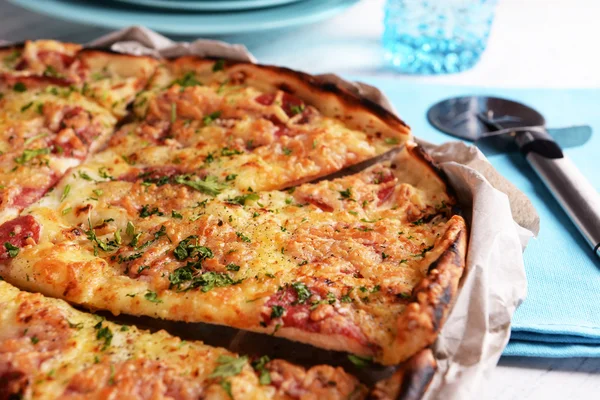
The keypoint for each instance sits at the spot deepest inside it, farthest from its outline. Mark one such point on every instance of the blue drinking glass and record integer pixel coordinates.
(436, 36)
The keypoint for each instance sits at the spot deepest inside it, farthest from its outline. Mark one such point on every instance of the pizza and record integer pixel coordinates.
(58, 105)
(49, 350)
(236, 194)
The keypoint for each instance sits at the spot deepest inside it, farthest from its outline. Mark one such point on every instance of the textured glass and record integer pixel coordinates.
(436, 36)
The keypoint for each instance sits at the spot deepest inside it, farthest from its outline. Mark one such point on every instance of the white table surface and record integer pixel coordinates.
(534, 43)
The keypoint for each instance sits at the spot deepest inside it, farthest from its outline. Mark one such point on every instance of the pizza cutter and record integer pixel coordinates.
(500, 125)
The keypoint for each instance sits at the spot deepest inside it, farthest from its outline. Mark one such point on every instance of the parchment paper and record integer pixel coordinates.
(501, 221)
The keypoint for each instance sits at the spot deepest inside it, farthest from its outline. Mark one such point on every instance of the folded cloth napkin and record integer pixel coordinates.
(561, 315)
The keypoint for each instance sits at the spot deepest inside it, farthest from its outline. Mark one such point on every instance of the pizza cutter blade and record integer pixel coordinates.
(501, 125)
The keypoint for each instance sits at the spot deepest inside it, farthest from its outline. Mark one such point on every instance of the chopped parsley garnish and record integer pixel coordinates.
(65, 192)
(404, 296)
(391, 140)
(147, 212)
(232, 267)
(104, 333)
(384, 256)
(403, 261)
(209, 185)
(189, 248)
(152, 297)
(103, 174)
(418, 222)
(287, 151)
(360, 362)
(185, 278)
(34, 138)
(422, 254)
(12, 250)
(230, 177)
(210, 118)
(346, 194)
(302, 292)
(243, 199)
(243, 237)
(20, 87)
(219, 65)
(98, 192)
(98, 243)
(277, 311)
(175, 214)
(34, 340)
(26, 106)
(29, 155)
(228, 366)
(226, 152)
(297, 109)
(260, 366)
(189, 79)
(84, 175)
(52, 72)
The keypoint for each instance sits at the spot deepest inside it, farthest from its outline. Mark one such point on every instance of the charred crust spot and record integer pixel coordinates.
(417, 380)
(13, 384)
(83, 209)
(451, 256)
(285, 87)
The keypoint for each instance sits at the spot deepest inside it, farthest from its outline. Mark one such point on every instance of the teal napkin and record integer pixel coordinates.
(561, 315)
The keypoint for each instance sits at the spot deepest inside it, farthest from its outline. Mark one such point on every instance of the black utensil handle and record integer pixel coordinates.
(573, 191)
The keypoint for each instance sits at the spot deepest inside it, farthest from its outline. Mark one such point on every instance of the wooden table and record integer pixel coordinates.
(534, 43)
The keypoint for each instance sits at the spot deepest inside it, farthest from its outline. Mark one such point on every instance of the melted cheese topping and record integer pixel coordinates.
(184, 215)
(48, 350)
(223, 126)
(44, 131)
(338, 258)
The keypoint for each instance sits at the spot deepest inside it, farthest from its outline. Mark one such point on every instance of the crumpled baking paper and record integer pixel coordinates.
(501, 221)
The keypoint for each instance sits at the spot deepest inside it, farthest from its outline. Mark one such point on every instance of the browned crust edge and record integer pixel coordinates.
(419, 325)
(410, 381)
(349, 99)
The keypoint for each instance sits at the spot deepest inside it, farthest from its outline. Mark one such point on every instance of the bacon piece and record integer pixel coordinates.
(317, 203)
(384, 194)
(17, 232)
(60, 61)
(265, 99)
(152, 174)
(30, 195)
(292, 105)
(300, 316)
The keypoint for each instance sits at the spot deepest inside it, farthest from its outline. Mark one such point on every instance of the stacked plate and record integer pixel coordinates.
(192, 17)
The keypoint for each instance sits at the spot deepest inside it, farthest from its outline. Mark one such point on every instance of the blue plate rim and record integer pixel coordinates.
(88, 13)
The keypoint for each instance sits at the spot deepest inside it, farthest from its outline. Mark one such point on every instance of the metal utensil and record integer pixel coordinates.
(500, 125)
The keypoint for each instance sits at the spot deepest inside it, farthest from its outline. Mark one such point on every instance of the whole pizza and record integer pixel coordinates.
(218, 192)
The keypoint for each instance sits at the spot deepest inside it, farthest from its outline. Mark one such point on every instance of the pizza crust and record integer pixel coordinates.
(410, 381)
(421, 322)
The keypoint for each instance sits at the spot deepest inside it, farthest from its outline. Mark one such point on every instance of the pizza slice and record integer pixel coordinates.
(271, 127)
(46, 127)
(49, 350)
(111, 79)
(366, 264)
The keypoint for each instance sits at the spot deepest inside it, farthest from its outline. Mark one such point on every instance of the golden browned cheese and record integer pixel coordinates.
(226, 119)
(48, 350)
(198, 208)
(110, 79)
(45, 129)
(333, 264)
